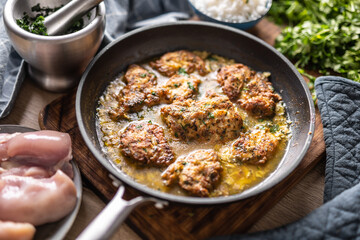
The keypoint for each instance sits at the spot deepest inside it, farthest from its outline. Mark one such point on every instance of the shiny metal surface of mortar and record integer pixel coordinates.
(56, 63)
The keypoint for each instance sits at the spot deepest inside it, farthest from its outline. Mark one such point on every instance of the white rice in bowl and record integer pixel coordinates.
(232, 10)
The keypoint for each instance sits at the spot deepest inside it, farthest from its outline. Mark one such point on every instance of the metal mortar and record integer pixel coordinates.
(56, 63)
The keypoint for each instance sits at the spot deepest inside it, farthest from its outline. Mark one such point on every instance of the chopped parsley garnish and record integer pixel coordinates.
(176, 85)
(182, 71)
(33, 25)
(36, 24)
(143, 75)
(77, 26)
(190, 85)
(211, 115)
(211, 58)
(274, 128)
(45, 11)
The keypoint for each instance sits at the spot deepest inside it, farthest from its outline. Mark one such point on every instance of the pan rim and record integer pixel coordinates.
(189, 199)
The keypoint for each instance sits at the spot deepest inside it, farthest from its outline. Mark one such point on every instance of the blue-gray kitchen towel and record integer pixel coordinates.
(339, 217)
(121, 15)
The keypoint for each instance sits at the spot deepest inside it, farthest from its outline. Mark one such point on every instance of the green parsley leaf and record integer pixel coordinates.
(274, 128)
(322, 35)
(211, 58)
(182, 71)
(190, 85)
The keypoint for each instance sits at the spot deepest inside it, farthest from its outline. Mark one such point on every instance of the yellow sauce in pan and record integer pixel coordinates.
(235, 177)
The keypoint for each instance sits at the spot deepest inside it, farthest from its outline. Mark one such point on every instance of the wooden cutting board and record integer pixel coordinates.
(178, 221)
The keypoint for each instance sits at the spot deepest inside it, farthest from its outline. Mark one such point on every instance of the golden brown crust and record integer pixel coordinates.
(256, 146)
(145, 143)
(232, 79)
(170, 63)
(211, 118)
(197, 173)
(137, 76)
(140, 90)
(254, 91)
(181, 87)
(258, 97)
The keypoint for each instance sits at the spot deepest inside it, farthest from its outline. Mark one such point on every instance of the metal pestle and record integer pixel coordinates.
(58, 22)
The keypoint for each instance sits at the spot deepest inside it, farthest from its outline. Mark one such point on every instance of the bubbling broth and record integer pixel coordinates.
(239, 171)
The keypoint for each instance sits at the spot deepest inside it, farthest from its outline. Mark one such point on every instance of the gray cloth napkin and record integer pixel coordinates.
(121, 15)
(10, 75)
(339, 217)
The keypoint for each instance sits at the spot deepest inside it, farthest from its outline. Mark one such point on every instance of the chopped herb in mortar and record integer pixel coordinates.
(36, 24)
(33, 25)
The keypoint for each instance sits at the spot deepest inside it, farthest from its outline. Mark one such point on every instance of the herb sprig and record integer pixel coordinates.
(323, 35)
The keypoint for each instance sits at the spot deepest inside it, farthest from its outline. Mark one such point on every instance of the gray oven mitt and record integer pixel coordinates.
(339, 104)
(121, 16)
(339, 217)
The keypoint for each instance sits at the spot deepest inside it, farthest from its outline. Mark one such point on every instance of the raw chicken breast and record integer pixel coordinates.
(42, 148)
(36, 201)
(16, 231)
(4, 140)
(25, 171)
(48, 149)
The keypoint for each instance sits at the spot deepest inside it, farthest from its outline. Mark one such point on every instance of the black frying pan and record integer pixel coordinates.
(144, 43)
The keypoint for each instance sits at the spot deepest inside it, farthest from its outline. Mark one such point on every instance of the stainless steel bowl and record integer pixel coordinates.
(56, 63)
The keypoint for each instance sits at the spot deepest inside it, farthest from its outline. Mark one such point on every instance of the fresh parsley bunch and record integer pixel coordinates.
(323, 35)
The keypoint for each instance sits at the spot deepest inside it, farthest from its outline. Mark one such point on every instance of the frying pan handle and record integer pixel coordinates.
(109, 219)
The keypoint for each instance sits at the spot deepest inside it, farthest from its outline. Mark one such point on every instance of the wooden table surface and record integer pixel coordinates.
(298, 202)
